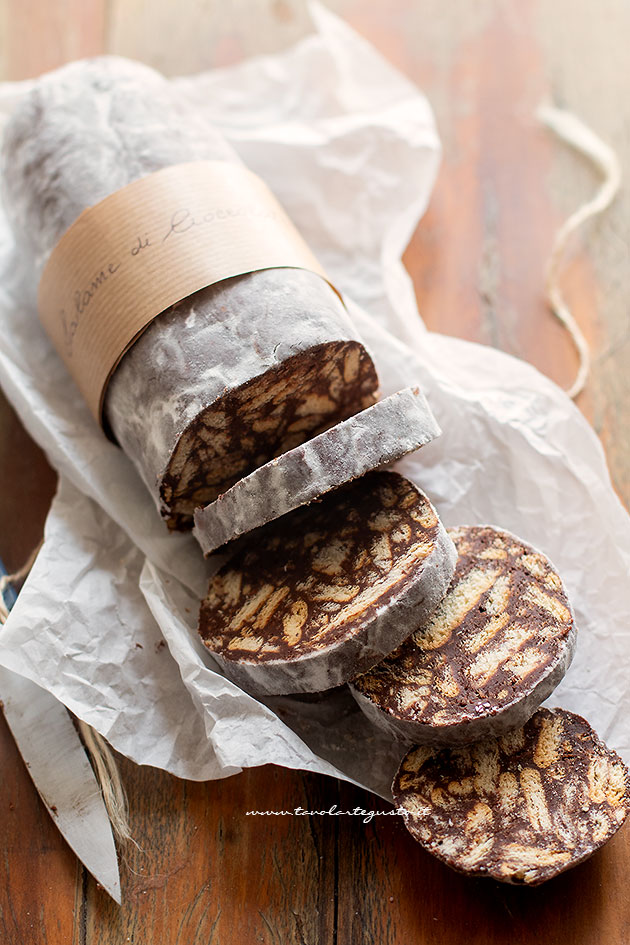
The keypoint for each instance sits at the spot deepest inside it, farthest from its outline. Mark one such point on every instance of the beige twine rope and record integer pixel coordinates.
(580, 137)
(108, 777)
(103, 761)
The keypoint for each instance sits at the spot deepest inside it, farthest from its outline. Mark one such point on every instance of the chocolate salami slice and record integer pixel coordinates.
(381, 434)
(520, 807)
(491, 653)
(236, 373)
(329, 589)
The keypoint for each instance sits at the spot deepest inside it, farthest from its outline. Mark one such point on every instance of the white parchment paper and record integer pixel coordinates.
(106, 620)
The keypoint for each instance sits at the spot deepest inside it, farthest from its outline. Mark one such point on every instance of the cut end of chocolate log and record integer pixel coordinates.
(491, 653)
(328, 590)
(265, 417)
(372, 438)
(519, 808)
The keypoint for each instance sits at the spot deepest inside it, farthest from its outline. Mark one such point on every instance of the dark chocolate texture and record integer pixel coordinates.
(494, 649)
(328, 588)
(521, 807)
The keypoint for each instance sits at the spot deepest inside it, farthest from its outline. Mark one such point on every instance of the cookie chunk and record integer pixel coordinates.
(328, 590)
(495, 648)
(521, 807)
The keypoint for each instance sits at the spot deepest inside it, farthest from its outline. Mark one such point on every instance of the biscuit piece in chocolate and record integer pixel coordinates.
(328, 590)
(521, 807)
(381, 434)
(495, 648)
(279, 393)
(236, 373)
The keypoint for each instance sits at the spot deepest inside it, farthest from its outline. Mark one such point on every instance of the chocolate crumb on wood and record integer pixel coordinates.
(235, 374)
(329, 589)
(379, 435)
(521, 807)
(495, 648)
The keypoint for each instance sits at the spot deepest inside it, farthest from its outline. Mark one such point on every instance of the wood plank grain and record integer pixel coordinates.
(193, 35)
(42, 884)
(26, 483)
(478, 257)
(587, 65)
(477, 262)
(40, 36)
(207, 872)
(39, 873)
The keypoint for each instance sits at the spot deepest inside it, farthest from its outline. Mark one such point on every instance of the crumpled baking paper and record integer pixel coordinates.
(106, 620)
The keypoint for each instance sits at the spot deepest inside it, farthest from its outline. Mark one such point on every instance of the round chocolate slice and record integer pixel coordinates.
(521, 807)
(381, 434)
(328, 590)
(491, 653)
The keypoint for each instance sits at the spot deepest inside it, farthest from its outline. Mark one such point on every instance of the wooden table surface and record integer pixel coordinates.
(202, 871)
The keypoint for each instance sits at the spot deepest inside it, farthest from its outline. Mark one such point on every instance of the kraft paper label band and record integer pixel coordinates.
(150, 245)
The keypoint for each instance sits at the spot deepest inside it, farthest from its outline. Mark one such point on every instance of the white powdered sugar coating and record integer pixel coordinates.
(379, 435)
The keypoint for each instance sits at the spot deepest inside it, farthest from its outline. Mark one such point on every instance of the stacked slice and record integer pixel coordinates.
(449, 641)
(495, 648)
(368, 440)
(330, 589)
(493, 787)
(341, 561)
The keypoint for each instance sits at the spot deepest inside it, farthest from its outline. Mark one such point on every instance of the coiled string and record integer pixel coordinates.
(579, 136)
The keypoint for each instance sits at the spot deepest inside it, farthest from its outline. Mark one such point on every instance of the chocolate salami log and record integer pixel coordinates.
(495, 648)
(329, 589)
(519, 808)
(236, 373)
(383, 433)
